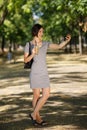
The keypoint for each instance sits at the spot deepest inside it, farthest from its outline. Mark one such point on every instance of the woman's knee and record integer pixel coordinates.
(46, 96)
(46, 93)
(36, 94)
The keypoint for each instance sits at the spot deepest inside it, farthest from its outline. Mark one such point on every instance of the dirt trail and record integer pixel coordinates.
(66, 109)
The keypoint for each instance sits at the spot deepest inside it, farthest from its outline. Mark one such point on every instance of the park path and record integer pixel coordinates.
(66, 109)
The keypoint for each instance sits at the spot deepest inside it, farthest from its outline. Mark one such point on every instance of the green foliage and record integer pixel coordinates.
(58, 17)
(18, 22)
(62, 16)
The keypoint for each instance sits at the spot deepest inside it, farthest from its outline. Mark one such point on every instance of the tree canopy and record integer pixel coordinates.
(58, 17)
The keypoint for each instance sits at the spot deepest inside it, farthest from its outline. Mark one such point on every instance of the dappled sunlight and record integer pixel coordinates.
(73, 89)
(14, 89)
(65, 109)
(66, 58)
(19, 116)
(13, 82)
(66, 112)
(71, 109)
(6, 107)
(51, 103)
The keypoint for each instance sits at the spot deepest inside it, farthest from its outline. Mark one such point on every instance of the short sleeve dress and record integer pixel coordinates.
(39, 77)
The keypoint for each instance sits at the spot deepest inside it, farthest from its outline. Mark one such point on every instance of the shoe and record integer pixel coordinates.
(34, 122)
(43, 123)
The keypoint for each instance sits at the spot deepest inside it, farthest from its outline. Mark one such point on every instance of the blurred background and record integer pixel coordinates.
(58, 17)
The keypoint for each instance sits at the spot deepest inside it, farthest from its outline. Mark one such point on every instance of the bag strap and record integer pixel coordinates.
(29, 48)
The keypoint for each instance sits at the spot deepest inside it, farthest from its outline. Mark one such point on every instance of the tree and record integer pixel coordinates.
(61, 16)
(3, 11)
(15, 27)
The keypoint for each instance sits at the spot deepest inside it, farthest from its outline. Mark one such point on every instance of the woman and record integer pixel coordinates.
(39, 79)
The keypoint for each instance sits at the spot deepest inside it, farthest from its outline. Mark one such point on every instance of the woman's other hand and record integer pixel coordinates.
(33, 51)
(68, 38)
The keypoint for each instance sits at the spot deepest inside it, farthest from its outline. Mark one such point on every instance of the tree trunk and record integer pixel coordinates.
(80, 41)
(4, 14)
(3, 43)
(14, 53)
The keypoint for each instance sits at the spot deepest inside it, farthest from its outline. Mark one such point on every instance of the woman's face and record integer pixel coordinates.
(40, 33)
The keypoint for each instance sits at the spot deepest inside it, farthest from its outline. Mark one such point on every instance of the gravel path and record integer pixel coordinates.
(66, 109)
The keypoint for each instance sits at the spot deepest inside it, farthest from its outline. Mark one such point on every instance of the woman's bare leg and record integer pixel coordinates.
(41, 101)
(36, 97)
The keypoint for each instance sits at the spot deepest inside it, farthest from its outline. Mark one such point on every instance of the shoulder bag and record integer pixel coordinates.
(28, 64)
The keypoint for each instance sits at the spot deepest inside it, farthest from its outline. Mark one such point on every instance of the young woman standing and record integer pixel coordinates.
(39, 79)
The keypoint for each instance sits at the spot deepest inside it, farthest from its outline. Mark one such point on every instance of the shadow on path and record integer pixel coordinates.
(60, 109)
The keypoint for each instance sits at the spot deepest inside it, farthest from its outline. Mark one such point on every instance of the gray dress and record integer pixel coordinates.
(39, 75)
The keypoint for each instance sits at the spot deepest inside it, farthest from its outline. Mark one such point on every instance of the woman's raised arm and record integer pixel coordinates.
(61, 45)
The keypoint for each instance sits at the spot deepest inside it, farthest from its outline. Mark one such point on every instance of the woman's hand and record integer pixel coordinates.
(68, 38)
(33, 51)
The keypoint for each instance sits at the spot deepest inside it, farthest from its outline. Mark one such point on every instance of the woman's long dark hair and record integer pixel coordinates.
(35, 29)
